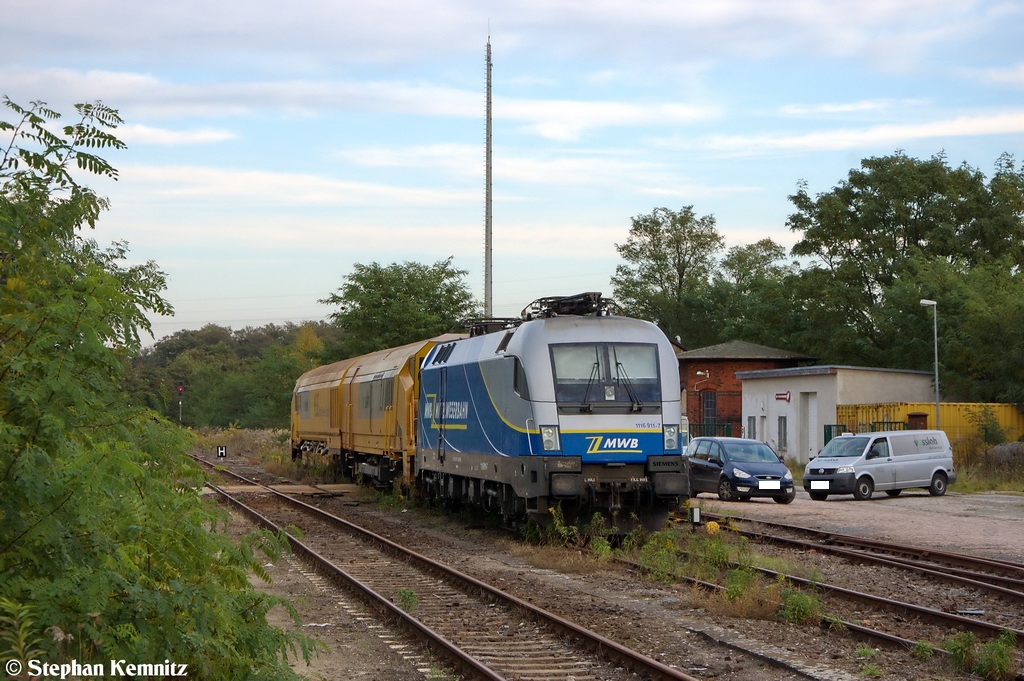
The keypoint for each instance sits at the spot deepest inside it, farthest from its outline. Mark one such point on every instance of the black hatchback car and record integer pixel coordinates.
(738, 469)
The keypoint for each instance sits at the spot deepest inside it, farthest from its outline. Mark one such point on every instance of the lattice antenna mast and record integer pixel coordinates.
(488, 293)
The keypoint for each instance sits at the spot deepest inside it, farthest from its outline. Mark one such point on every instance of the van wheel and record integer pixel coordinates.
(893, 492)
(938, 486)
(725, 492)
(864, 488)
(818, 496)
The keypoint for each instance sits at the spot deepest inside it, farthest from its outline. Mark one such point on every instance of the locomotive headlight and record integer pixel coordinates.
(549, 438)
(671, 437)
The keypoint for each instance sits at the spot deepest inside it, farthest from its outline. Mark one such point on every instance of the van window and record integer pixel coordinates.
(844, 446)
(879, 449)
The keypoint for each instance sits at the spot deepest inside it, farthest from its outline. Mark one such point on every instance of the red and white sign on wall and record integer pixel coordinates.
(782, 396)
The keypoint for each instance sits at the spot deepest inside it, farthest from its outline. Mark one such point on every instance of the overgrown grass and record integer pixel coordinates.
(800, 607)
(981, 467)
(720, 556)
(269, 449)
(924, 650)
(407, 599)
(865, 652)
(996, 658)
(993, 661)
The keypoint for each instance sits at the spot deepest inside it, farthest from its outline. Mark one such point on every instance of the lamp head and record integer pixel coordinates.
(928, 303)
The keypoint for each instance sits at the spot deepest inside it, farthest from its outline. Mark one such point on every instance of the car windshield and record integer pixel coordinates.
(750, 452)
(844, 446)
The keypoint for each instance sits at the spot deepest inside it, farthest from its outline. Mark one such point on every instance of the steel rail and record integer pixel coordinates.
(1006, 568)
(434, 641)
(596, 643)
(964, 577)
(929, 614)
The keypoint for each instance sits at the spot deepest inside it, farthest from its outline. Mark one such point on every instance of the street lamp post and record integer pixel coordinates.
(935, 326)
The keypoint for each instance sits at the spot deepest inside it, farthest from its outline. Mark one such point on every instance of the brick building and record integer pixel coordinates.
(712, 395)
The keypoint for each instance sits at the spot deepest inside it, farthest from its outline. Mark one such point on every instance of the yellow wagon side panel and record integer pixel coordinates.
(364, 405)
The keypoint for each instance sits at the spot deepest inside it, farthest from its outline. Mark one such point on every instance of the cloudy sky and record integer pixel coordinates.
(272, 145)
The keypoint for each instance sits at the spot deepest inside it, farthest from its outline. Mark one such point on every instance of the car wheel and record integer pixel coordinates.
(863, 489)
(893, 492)
(938, 486)
(786, 498)
(725, 491)
(818, 496)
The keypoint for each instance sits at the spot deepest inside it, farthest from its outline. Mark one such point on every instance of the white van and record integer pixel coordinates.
(889, 461)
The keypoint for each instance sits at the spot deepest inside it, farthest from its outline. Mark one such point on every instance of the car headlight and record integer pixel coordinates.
(671, 438)
(844, 469)
(740, 473)
(549, 438)
(787, 476)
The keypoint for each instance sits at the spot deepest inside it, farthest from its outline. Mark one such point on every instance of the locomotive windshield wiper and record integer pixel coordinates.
(621, 374)
(586, 406)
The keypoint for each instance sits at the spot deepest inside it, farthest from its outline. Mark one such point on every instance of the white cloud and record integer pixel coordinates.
(1011, 75)
(854, 138)
(272, 188)
(552, 119)
(862, 106)
(144, 134)
(569, 120)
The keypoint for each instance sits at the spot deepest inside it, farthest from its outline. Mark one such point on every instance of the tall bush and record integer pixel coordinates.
(106, 549)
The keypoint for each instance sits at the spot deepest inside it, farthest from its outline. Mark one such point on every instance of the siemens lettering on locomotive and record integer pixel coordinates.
(568, 406)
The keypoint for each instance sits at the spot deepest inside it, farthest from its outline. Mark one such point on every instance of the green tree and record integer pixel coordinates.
(895, 208)
(752, 293)
(900, 229)
(104, 542)
(240, 377)
(670, 261)
(388, 306)
(273, 378)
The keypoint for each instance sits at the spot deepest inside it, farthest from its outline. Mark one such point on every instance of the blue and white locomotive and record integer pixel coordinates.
(573, 408)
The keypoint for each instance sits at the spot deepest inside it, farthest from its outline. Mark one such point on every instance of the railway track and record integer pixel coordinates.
(479, 630)
(995, 588)
(1006, 574)
(861, 619)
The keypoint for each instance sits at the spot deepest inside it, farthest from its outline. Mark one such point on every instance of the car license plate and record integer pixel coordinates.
(819, 484)
(769, 484)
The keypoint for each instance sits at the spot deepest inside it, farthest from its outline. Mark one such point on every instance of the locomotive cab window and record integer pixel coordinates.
(606, 376)
(519, 379)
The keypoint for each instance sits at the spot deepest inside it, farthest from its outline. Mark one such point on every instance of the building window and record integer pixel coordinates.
(783, 434)
(709, 406)
(751, 427)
